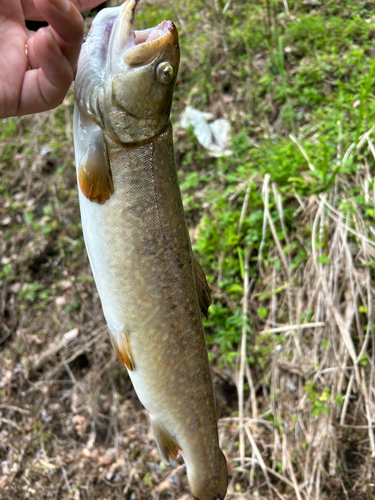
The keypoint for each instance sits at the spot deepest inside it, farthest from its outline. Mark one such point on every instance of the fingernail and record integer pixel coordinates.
(63, 5)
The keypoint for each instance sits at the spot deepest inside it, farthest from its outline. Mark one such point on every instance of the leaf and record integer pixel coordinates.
(262, 312)
(324, 259)
(235, 288)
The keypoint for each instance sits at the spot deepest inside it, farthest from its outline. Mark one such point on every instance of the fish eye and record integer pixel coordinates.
(164, 73)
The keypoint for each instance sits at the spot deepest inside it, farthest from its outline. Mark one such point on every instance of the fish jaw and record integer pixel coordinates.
(139, 47)
(126, 78)
(125, 25)
(149, 42)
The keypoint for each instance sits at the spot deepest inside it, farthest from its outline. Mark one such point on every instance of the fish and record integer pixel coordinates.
(152, 289)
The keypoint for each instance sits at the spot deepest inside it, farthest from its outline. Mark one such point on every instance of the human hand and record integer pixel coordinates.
(37, 68)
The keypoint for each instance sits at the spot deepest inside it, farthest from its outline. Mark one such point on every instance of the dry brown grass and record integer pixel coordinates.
(317, 443)
(71, 427)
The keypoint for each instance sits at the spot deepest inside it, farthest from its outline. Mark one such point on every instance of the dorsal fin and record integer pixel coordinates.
(203, 290)
(218, 411)
(94, 171)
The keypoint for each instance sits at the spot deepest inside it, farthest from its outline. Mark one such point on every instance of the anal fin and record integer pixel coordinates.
(166, 443)
(121, 345)
(203, 290)
(94, 171)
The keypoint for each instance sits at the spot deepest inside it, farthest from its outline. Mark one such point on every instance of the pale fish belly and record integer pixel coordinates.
(140, 255)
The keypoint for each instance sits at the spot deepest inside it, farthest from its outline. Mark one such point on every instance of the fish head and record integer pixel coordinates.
(213, 487)
(126, 78)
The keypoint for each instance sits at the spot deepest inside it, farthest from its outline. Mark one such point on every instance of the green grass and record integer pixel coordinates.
(296, 198)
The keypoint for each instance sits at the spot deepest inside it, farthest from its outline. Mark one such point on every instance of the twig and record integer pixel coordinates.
(290, 469)
(244, 207)
(286, 7)
(14, 408)
(248, 421)
(343, 488)
(303, 151)
(286, 328)
(347, 400)
(38, 361)
(241, 373)
(129, 482)
(11, 423)
(254, 406)
(226, 7)
(16, 469)
(368, 415)
(279, 204)
(66, 479)
(361, 236)
(357, 146)
(276, 239)
(264, 229)
(258, 455)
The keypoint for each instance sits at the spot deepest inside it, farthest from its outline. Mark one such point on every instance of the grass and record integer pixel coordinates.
(284, 229)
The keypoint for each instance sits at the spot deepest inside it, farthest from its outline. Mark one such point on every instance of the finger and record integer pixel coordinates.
(31, 13)
(11, 11)
(67, 26)
(32, 59)
(83, 5)
(45, 88)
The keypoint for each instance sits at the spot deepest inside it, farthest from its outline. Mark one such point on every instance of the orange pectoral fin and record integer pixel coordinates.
(166, 443)
(123, 350)
(94, 172)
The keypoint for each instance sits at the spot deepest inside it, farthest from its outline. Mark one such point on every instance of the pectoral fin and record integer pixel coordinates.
(203, 290)
(121, 345)
(94, 171)
(166, 443)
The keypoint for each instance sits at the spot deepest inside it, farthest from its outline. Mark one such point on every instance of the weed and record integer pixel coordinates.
(283, 229)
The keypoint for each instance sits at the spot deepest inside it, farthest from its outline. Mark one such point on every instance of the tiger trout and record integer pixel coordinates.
(151, 287)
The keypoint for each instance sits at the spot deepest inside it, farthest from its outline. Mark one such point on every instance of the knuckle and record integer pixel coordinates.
(78, 26)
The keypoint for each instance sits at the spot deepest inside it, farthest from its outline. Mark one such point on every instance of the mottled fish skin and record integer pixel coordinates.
(151, 288)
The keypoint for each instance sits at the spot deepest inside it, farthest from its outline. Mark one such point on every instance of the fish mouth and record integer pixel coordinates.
(143, 46)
